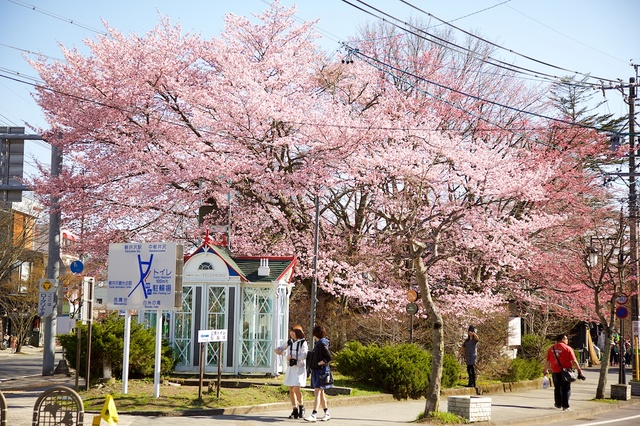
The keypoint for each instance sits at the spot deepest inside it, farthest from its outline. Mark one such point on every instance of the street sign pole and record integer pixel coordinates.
(622, 377)
(621, 312)
(411, 309)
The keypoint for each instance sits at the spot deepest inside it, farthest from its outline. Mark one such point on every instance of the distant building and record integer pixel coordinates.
(22, 264)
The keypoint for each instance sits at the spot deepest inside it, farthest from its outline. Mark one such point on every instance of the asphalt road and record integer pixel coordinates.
(527, 407)
(21, 365)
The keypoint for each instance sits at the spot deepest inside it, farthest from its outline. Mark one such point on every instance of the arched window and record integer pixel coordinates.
(205, 266)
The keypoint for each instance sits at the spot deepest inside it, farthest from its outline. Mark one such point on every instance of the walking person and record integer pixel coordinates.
(296, 349)
(559, 356)
(628, 352)
(470, 352)
(613, 358)
(320, 371)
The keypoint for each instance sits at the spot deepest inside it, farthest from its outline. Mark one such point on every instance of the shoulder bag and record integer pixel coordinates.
(568, 374)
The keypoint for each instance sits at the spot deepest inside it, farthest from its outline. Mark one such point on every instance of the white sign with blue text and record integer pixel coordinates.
(205, 336)
(143, 275)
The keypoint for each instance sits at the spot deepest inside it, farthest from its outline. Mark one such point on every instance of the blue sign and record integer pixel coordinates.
(76, 266)
(622, 312)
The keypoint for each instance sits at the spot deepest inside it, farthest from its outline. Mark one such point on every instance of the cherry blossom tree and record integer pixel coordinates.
(459, 189)
(420, 174)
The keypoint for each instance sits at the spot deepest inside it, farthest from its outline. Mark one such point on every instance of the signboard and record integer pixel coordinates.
(205, 336)
(635, 327)
(411, 308)
(515, 331)
(412, 296)
(144, 275)
(12, 163)
(622, 299)
(76, 267)
(46, 297)
(622, 312)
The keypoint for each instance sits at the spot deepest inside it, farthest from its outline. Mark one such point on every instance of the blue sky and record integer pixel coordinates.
(599, 37)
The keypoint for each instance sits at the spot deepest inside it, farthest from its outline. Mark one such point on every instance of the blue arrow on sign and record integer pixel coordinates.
(76, 266)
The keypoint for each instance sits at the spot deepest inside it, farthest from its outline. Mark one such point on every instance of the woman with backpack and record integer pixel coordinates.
(321, 378)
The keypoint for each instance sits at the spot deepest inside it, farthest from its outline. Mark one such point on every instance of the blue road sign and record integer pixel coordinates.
(76, 266)
(622, 312)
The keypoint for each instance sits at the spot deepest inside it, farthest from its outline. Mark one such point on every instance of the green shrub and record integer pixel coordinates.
(107, 347)
(522, 369)
(403, 370)
(451, 370)
(534, 346)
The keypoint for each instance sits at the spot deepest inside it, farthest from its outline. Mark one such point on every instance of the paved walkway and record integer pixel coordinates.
(525, 407)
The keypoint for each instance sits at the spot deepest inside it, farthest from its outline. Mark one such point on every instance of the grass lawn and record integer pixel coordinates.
(175, 397)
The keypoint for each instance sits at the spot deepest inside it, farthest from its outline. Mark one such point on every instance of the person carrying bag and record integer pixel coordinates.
(296, 349)
(559, 355)
(321, 377)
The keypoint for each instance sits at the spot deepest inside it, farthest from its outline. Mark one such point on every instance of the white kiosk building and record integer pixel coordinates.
(247, 296)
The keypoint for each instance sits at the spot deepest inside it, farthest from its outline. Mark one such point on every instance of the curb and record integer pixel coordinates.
(558, 416)
(337, 402)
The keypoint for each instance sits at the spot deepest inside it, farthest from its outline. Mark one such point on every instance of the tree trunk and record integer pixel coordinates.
(604, 365)
(608, 328)
(437, 336)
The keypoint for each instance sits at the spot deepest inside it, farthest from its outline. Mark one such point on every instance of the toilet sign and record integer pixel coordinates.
(144, 275)
(205, 336)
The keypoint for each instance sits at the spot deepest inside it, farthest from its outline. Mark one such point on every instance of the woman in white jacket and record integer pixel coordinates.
(296, 349)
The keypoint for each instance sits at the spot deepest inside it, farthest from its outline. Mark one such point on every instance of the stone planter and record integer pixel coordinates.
(621, 392)
(472, 408)
(635, 388)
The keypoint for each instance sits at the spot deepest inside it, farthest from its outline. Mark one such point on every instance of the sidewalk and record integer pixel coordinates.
(521, 407)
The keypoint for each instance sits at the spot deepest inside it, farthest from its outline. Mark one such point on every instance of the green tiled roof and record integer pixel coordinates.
(249, 268)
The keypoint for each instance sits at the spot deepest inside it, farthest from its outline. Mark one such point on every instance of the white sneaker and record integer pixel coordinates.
(326, 417)
(311, 418)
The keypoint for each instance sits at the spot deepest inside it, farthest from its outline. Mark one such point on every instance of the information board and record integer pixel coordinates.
(144, 275)
(205, 336)
(46, 297)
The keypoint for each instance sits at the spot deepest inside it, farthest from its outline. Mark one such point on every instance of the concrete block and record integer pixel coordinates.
(472, 408)
(635, 388)
(621, 392)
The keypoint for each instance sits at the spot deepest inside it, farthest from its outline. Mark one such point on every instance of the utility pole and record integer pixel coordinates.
(633, 226)
(633, 223)
(53, 268)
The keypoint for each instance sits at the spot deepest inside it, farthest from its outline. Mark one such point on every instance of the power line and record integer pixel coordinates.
(564, 35)
(31, 52)
(479, 11)
(460, 49)
(53, 15)
(504, 48)
(450, 45)
(369, 60)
